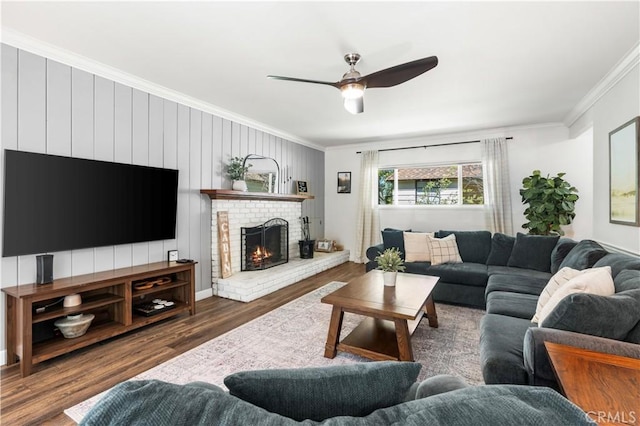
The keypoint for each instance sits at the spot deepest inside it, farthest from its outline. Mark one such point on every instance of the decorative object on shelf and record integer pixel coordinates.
(224, 244)
(324, 246)
(172, 255)
(301, 187)
(236, 170)
(551, 203)
(264, 175)
(624, 174)
(44, 269)
(71, 300)
(306, 243)
(74, 325)
(390, 262)
(344, 182)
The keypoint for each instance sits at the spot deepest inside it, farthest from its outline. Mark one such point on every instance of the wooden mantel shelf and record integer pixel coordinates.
(228, 194)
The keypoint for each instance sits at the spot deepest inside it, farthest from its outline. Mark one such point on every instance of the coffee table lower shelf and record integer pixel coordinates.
(376, 339)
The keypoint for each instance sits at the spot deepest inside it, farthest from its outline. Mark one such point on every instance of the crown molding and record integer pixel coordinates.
(49, 51)
(619, 71)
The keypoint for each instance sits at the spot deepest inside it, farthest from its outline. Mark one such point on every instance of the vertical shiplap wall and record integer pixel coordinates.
(48, 107)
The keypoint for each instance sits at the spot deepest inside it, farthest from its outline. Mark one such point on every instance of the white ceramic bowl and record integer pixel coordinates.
(74, 325)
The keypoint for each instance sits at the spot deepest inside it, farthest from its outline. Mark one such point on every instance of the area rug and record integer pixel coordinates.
(294, 335)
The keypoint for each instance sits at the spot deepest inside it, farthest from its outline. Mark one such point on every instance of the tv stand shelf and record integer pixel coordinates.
(109, 295)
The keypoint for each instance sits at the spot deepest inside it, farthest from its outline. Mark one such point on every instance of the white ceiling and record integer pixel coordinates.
(501, 64)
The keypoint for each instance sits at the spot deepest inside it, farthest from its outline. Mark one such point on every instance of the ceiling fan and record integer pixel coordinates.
(352, 84)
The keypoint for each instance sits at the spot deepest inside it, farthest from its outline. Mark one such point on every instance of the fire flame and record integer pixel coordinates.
(260, 255)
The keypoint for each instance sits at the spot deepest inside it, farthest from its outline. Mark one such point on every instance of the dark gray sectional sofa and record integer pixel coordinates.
(506, 275)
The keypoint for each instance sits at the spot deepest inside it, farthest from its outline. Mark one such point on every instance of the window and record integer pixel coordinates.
(456, 184)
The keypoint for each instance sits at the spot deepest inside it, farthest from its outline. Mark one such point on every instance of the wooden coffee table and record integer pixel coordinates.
(393, 314)
(605, 386)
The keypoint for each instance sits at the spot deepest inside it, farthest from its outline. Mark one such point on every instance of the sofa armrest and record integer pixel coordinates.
(536, 358)
(374, 251)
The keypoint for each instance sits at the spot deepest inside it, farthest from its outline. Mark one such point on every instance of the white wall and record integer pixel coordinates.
(545, 147)
(616, 107)
(48, 107)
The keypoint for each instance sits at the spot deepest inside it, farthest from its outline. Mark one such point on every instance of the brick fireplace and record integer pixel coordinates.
(250, 210)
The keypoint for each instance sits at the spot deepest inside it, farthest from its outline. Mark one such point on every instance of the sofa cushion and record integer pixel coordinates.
(512, 304)
(318, 393)
(474, 274)
(444, 250)
(501, 342)
(627, 280)
(619, 262)
(516, 284)
(518, 272)
(559, 279)
(501, 246)
(417, 267)
(612, 317)
(594, 281)
(474, 246)
(584, 255)
(532, 252)
(417, 247)
(393, 238)
(560, 251)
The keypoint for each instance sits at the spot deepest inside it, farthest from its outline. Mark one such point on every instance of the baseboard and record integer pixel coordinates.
(3, 357)
(203, 294)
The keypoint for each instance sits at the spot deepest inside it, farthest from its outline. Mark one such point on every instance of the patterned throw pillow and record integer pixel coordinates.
(444, 250)
(558, 280)
(416, 246)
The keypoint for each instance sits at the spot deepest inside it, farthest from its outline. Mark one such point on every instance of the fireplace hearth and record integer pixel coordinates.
(264, 246)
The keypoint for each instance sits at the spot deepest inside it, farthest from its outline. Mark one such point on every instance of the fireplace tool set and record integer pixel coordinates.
(306, 244)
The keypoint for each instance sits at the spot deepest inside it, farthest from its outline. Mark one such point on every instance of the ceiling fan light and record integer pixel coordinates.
(352, 91)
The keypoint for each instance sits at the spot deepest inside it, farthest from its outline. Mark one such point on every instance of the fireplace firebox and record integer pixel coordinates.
(265, 246)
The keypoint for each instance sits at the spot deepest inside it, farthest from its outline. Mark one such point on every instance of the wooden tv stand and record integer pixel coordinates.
(110, 295)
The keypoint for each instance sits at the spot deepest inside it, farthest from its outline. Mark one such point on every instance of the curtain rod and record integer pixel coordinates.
(429, 146)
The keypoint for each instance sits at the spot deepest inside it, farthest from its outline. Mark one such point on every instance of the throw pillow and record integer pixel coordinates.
(558, 280)
(532, 252)
(416, 245)
(612, 317)
(444, 250)
(318, 393)
(595, 281)
(584, 255)
(501, 247)
(560, 251)
(394, 238)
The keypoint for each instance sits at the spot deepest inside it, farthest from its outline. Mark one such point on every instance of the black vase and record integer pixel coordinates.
(306, 248)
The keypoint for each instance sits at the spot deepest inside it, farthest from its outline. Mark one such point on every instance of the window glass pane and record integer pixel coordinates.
(431, 185)
(472, 184)
(385, 186)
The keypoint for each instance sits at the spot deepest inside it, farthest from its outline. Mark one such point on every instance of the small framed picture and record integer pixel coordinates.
(344, 182)
(324, 245)
(302, 188)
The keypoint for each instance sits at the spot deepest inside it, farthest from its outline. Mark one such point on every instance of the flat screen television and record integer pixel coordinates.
(54, 203)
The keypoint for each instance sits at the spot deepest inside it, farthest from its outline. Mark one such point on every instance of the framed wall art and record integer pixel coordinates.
(624, 156)
(344, 182)
(301, 187)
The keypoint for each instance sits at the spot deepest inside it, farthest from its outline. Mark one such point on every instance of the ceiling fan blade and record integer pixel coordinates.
(400, 73)
(354, 105)
(302, 80)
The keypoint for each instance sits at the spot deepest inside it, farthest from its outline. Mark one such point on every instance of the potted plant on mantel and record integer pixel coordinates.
(390, 262)
(551, 203)
(236, 170)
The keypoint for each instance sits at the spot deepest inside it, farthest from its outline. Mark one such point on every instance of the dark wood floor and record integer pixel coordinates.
(67, 380)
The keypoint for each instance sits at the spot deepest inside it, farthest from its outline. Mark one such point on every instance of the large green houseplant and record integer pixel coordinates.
(551, 203)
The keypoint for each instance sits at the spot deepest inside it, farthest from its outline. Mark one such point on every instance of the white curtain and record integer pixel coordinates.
(497, 195)
(367, 228)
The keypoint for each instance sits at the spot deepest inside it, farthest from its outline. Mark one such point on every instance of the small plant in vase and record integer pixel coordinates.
(390, 262)
(236, 170)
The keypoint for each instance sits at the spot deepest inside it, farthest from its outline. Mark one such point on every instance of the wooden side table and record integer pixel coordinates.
(605, 386)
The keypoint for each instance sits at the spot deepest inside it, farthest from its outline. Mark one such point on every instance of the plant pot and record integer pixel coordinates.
(306, 248)
(389, 278)
(239, 185)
